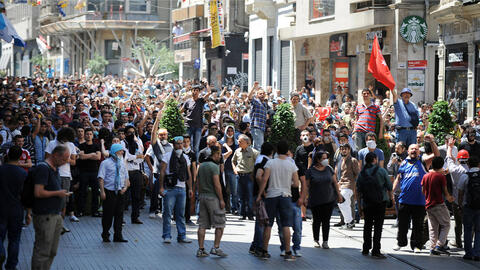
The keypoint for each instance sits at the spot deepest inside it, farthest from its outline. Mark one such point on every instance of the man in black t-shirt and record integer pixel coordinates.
(47, 221)
(471, 145)
(302, 152)
(88, 164)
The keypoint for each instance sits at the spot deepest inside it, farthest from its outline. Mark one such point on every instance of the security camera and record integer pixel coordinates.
(227, 52)
(245, 35)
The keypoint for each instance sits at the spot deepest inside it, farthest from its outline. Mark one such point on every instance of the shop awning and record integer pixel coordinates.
(5, 59)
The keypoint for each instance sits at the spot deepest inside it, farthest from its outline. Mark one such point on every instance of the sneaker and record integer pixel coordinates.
(65, 230)
(316, 244)
(339, 224)
(325, 245)
(289, 257)
(347, 227)
(417, 250)
(265, 255)
(433, 252)
(258, 253)
(251, 250)
(202, 253)
(190, 223)
(184, 241)
(468, 257)
(152, 215)
(219, 252)
(397, 248)
(167, 240)
(352, 224)
(442, 250)
(365, 252)
(282, 253)
(73, 218)
(378, 256)
(297, 253)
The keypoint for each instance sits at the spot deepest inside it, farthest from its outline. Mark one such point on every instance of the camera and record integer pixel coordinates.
(394, 155)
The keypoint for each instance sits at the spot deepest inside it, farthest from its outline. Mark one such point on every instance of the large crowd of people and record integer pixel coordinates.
(96, 147)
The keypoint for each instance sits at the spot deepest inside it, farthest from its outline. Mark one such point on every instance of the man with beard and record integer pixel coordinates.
(134, 157)
(411, 198)
(471, 145)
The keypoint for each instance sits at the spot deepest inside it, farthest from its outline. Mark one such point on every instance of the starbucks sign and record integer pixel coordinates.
(413, 29)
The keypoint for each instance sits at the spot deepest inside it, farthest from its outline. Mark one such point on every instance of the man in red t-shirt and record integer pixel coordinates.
(434, 187)
(25, 160)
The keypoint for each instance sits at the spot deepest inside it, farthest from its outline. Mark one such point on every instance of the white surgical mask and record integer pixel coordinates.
(371, 144)
(178, 152)
(229, 136)
(324, 163)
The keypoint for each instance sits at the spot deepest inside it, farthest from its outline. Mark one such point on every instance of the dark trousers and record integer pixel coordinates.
(374, 217)
(136, 183)
(113, 212)
(155, 203)
(458, 216)
(321, 216)
(88, 179)
(245, 185)
(416, 214)
(11, 226)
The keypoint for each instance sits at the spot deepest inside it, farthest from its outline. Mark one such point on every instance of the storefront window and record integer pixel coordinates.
(456, 80)
(321, 8)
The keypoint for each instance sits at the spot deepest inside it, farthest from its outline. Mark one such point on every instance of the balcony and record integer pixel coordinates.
(362, 5)
(186, 13)
(450, 11)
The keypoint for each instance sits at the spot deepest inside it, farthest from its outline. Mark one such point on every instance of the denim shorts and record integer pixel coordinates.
(281, 206)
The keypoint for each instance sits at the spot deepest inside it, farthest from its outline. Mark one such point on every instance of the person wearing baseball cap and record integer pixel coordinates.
(407, 117)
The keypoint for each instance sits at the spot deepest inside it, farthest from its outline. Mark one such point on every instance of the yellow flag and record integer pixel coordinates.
(80, 4)
(62, 3)
(214, 24)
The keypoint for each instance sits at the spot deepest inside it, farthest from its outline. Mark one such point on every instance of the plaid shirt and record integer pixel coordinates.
(258, 114)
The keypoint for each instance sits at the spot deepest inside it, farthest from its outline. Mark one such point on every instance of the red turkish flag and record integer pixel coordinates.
(378, 67)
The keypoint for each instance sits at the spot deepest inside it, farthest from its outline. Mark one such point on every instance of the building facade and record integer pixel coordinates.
(332, 42)
(458, 55)
(270, 59)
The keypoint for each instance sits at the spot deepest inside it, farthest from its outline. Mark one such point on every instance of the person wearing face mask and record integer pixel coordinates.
(471, 145)
(411, 198)
(366, 115)
(134, 157)
(329, 144)
(230, 177)
(323, 193)
(174, 178)
(113, 179)
(371, 142)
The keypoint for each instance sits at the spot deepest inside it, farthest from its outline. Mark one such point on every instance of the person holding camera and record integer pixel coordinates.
(393, 165)
(174, 177)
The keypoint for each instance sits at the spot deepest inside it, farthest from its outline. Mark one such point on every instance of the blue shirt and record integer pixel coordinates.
(411, 175)
(107, 172)
(402, 118)
(364, 151)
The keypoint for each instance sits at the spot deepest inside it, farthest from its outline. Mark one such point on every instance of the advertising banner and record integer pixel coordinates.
(216, 23)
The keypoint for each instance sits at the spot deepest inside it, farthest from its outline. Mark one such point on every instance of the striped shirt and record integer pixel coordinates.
(367, 117)
(258, 114)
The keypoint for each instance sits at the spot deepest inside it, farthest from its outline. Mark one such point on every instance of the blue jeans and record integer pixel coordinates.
(174, 199)
(195, 136)
(360, 139)
(407, 136)
(257, 243)
(258, 138)
(297, 228)
(11, 225)
(471, 221)
(245, 192)
(231, 180)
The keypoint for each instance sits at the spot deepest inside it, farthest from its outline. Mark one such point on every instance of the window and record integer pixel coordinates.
(139, 6)
(112, 49)
(321, 8)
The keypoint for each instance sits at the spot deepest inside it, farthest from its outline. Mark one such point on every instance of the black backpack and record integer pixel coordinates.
(473, 190)
(372, 192)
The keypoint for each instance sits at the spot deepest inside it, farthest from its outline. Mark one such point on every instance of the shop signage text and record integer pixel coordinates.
(417, 64)
(380, 34)
(413, 29)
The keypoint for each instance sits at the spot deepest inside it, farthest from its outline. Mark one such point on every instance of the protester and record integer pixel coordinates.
(407, 117)
(258, 115)
(366, 115)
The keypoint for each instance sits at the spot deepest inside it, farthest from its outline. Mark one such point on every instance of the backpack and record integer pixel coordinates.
(372, 192)
(473, 190)
(28, 192)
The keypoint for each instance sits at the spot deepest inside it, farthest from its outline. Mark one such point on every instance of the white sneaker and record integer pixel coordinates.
(316, 244)
(397, 248)
(282, 253)
(297, 253)
(152, 215)
(73, 218)
(416, 250)
(325, 245)
(167, 241)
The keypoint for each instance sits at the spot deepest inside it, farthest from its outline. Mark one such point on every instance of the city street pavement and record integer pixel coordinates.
(82, 248)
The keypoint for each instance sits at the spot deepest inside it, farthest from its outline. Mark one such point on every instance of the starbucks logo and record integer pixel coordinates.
(413, 29)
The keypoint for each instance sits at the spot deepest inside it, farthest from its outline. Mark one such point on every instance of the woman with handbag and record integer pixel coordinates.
(323, 194)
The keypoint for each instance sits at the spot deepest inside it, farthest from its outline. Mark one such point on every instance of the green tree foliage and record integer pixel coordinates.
(172, 119)
(38, 60)
(440, 121)
(154, 59)
(382, 142)
(97, 65)
(283, 127)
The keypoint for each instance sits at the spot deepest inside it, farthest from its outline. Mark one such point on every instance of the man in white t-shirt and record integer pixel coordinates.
(174, 176)
(281, 175)
(65, 137)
